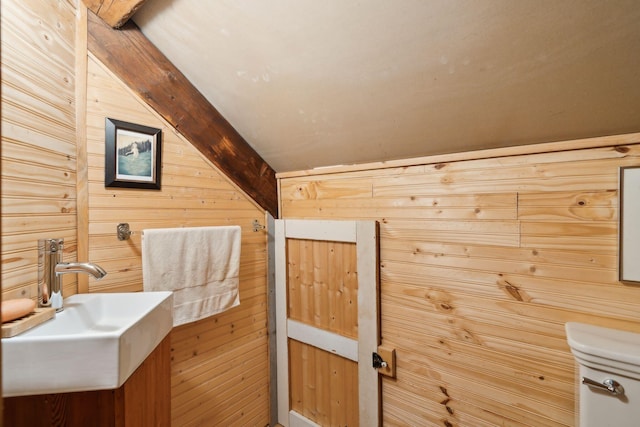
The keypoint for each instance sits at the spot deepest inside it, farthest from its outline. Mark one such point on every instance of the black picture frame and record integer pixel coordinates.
(133, 155)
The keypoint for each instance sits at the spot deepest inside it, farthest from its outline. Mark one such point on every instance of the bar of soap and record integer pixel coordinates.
(16, 308)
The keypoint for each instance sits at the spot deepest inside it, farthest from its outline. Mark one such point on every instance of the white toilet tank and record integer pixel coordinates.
(608, 375)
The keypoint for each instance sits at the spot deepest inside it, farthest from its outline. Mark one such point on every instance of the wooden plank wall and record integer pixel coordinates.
(482, 263)
(38, 139)
(219, 368)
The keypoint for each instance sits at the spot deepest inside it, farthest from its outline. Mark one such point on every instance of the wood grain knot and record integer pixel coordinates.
(514, 291)
(445, 306)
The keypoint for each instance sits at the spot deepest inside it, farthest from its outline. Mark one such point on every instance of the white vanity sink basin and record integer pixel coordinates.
(96, 343)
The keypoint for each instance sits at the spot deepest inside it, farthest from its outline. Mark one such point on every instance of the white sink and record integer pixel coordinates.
(96, 343)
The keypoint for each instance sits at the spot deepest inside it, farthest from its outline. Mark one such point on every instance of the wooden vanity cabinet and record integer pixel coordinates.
(143, 400)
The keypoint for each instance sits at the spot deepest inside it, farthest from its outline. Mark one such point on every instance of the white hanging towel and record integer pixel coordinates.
(199, 264)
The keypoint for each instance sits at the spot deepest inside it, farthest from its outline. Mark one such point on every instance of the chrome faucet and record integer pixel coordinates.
(80, 267)
(51, 267)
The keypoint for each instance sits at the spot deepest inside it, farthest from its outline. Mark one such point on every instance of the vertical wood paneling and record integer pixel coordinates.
(328, 399)
(482, 263)
(38, 138)
(219, 365)
(322, 290)
(323, 285)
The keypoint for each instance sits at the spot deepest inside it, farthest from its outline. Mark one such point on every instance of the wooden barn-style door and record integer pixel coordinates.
(327, 323)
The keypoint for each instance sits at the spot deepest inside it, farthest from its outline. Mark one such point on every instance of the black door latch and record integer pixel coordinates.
(377, 361)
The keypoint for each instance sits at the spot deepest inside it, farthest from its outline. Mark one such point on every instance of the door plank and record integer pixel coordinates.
(368, 320)
(323, 285)
(322, 386)
(335, 231)
(324, 340)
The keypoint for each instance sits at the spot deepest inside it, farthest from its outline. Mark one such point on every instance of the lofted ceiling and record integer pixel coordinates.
(314, 83)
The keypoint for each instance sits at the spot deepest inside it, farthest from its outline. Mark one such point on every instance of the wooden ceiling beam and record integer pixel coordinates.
(115, 13)
(135, 60)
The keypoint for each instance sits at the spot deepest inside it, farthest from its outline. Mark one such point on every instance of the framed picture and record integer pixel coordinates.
(629, 224)
(133, 156)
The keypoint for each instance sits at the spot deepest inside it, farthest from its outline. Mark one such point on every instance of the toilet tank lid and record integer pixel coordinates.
(605, 343)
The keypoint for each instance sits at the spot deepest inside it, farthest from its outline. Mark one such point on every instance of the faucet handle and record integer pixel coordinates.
(51, 245)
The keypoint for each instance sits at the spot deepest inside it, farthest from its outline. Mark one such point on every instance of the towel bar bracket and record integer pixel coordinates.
(123, 230)
(257, 226)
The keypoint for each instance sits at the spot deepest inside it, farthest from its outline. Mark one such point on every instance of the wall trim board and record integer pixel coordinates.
(82, 174)
(172, 96)
(548, 147)
(271, 322)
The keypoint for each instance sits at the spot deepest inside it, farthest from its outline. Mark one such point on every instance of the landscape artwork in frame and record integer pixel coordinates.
(133, 156)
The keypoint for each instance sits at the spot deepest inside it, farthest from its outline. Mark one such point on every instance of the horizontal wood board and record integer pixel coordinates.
(483, 261)
(38, 166)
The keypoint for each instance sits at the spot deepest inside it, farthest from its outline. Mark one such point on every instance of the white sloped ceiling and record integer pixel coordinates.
(313, 83)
